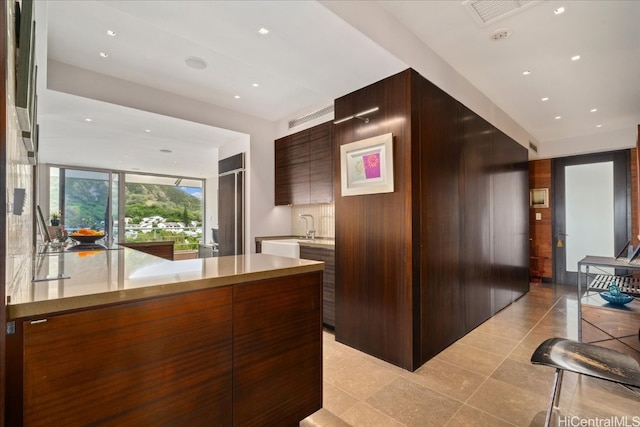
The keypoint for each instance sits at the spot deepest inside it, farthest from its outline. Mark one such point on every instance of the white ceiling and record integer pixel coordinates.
(311, 56)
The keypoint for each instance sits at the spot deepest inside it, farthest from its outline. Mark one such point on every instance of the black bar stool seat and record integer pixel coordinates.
(585, 359)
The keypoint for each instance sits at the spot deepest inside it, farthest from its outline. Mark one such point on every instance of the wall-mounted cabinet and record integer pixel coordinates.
(304, 167)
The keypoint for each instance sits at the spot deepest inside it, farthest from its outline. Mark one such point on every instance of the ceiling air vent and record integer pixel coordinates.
(486, 12)
(533, 147)
(304, 119)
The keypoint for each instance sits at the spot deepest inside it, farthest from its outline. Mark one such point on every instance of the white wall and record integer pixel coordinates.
(390, 34)
(614, 140)
(262, 217)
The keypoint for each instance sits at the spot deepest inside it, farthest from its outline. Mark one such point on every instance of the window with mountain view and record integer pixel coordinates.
(163, 208)
(154, 207)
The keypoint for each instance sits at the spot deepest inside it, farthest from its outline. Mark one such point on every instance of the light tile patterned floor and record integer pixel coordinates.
(484, 379)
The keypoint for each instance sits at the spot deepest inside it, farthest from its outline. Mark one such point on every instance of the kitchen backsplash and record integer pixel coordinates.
(323, 217)
(19, 175)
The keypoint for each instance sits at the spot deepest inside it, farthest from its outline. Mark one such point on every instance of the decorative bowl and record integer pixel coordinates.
(87, 239)
(616, 299)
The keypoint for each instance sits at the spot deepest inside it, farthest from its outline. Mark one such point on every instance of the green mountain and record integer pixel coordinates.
(171, 203)
(86, 203)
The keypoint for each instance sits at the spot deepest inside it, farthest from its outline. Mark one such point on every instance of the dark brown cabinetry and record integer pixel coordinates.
(239, 355)
(419, 267)
(304, 167)
(328, 256)
(161, 248)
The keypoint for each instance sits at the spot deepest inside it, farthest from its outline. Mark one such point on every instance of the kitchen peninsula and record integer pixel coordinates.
(121, 337)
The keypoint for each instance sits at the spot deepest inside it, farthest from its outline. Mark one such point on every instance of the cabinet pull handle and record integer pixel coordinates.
(35, 322)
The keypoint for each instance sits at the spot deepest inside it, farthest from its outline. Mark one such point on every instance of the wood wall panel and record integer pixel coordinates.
(418, 268)
(510, 230)
(119, 367)
(540, 232)
(373, 232)
(475, 263)
(277, 328)
(441, 214)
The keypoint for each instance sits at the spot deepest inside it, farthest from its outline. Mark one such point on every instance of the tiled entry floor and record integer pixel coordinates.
(484, 379)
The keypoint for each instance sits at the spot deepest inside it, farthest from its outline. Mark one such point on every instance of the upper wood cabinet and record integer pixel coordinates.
(304, 167)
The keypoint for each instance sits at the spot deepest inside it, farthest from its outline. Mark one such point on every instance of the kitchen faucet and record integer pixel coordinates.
(310, 233)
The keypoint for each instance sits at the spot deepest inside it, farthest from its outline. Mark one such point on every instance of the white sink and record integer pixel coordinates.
(286, 247)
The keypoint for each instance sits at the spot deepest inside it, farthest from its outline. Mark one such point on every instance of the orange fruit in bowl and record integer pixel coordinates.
(87, 232)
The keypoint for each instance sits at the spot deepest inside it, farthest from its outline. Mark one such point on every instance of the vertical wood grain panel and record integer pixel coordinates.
(321, 163)
(292, 169)
(441, 212)
(476, 258)
(374, 306)
(328, 256)
(418, 268)
(540, 231)
(510, 226)
(160, 362)
(277, 350)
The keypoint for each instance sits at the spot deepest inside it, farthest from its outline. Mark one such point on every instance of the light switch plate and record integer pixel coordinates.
(538, 216)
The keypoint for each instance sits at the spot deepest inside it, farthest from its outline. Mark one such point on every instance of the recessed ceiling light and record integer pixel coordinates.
(104, 54)
(237, 96)
(575, 57)
(526, 73)
(559, 10)
(195, 63)
(111, 33)
(546, 98)
(598, 126)
(88, 120)
(164, 150)
(593, 110)
(263, 31)
(255, 85)
(147, 130)
(558, 117)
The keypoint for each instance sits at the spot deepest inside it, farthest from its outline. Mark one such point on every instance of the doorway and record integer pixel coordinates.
(592, 209)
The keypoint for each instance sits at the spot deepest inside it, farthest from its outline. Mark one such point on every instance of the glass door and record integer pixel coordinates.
(591, 209)
(84, 199)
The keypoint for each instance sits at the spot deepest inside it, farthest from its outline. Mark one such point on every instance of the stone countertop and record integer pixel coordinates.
(322, 242)
(69, 280)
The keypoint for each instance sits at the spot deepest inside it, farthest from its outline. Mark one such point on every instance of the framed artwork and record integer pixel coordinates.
(539, 198)
(366, 166)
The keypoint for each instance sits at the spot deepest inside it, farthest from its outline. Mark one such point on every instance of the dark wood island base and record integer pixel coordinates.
(235, 355)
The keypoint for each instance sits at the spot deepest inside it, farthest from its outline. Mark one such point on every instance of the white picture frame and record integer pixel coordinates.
(366, 166)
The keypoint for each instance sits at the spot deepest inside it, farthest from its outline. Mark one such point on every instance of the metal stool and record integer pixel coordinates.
(585, 359)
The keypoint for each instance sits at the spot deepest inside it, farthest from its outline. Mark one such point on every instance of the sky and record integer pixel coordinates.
(194, 191)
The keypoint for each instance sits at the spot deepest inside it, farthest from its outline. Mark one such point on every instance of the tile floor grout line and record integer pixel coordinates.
(513, 349)
(541, 313)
